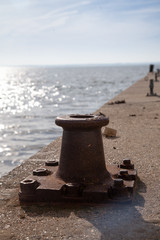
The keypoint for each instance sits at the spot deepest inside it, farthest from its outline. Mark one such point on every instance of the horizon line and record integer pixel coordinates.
(77, 64)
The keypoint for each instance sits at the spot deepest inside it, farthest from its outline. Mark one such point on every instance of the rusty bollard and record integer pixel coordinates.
(151, 67)
(156, 77)
(81, 173)
(82, 155)
(151, 87)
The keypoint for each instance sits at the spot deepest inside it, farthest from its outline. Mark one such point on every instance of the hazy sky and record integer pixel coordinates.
(79, 31)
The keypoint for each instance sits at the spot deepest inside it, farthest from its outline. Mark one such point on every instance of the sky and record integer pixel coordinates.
(58, 32)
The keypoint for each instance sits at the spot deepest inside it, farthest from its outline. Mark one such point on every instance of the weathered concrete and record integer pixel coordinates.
(138, 137)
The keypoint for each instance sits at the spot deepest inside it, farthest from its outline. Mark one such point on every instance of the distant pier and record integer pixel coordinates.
(137, 121)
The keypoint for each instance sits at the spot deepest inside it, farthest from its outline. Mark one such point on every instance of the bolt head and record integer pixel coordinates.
(126, 161)
(118, 182)
(40, 172)
(51, 163)
(123, 172)
(28, 185)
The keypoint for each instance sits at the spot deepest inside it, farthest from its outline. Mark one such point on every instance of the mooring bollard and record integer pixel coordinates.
(156, 77)
(158, 72)
(81, 174)
(82, 155)
(151, 86)
(151, 67)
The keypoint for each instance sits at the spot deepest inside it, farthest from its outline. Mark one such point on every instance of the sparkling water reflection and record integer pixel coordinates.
(31, 98)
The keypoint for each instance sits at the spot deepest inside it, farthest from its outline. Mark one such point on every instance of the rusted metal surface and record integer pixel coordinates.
(81, 174)
(52, 189)
(82, 155)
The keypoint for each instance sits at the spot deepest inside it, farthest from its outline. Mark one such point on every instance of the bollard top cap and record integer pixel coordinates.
(82, 121)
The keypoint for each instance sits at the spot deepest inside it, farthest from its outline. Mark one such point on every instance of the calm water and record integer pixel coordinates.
(31, 98)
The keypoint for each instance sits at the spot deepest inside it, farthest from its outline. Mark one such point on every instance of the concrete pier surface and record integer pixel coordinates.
(137, 122)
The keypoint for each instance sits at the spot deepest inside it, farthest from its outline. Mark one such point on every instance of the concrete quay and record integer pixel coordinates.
(137, 122)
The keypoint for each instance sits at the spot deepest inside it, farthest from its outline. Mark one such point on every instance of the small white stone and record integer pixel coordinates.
(7, 226)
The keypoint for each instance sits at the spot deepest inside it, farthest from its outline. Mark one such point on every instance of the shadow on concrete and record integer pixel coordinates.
(148, 95)
(105, 222)
(112, 138)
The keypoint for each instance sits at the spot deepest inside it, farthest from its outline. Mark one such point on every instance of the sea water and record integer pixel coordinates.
(32, 97)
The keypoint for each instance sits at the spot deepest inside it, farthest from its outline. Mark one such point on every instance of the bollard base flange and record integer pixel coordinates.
(45, 186)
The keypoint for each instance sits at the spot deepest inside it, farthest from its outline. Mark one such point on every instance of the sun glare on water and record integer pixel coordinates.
(17, 91)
